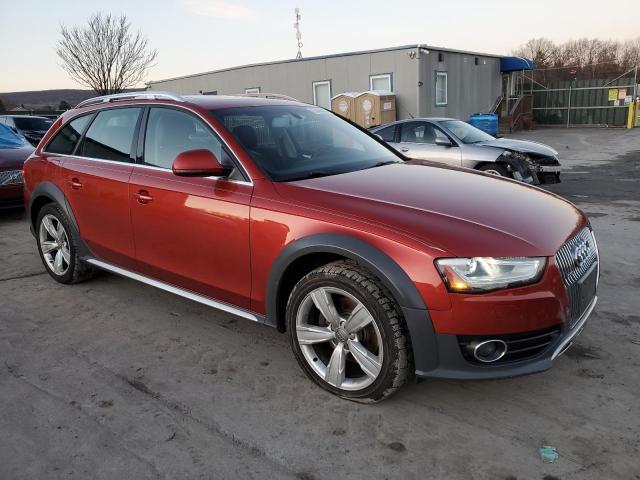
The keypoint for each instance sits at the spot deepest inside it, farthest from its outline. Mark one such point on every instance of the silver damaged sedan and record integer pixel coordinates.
(454, 142)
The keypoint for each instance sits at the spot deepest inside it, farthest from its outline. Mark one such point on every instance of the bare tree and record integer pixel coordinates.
(105, 55)
(542, 51)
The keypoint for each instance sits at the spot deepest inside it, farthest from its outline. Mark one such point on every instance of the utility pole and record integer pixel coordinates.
(298, 33)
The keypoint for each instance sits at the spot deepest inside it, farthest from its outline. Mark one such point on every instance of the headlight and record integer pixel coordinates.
(480, 274)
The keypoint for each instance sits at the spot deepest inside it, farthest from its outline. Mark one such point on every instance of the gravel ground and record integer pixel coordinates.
(111, 379)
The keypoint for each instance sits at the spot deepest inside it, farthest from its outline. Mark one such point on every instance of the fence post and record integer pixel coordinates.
(569, 104)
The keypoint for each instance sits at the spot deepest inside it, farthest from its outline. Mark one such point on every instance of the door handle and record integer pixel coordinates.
(404, 149)
(143, 197)
(75, 184)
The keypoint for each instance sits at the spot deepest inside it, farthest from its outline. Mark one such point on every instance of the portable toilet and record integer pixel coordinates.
(374, 108)
(344, 104)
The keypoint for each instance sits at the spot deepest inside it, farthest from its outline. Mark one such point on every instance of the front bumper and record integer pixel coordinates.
(450, 362)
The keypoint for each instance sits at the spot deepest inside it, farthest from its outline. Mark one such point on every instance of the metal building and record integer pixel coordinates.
(427, 81)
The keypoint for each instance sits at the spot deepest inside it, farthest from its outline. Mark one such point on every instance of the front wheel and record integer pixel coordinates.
(495, 169)
(347, 333)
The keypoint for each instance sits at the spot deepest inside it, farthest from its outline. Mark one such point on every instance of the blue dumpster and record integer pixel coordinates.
(487, 122)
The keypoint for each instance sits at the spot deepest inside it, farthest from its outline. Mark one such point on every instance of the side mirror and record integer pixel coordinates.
(444, 142)
(198, 163)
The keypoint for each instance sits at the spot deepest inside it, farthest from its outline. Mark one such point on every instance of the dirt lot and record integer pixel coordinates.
(112, 379)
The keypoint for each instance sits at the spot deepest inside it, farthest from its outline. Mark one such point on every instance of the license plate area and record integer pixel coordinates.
(586, 291)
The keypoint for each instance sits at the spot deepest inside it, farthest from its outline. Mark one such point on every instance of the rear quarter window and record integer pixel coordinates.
(64, 142)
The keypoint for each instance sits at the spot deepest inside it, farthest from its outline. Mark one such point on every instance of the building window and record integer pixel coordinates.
(381, 82)
(322, 94)
(441, 88)
(252, 91)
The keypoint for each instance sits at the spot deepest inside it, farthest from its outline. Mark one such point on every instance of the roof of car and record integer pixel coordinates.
(214, 102)
(25, 116)
(426, 119)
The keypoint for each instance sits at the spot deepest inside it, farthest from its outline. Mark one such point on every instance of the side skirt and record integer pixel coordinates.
(225, 307)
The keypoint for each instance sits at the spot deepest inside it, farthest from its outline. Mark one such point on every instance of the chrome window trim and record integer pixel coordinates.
(222, 139)
(143, 105)
(133, 164)
(225, 307)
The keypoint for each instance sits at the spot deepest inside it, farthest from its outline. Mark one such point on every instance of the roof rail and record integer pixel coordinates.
(146, 95)
(275, 96)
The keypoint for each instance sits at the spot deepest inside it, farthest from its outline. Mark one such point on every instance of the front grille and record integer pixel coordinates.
(577, 261)
(11, 177)
(520, 346)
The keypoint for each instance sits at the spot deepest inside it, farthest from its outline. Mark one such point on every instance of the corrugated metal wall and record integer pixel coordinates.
(585, 102)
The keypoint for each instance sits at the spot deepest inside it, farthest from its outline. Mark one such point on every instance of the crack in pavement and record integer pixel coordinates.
(26, 275)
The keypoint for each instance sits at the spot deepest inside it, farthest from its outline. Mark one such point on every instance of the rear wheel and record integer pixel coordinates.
(495, 169)
(347, 333)
(58, 247)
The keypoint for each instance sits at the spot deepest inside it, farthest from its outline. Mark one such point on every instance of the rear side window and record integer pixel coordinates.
(66, 139)
(110, 135)
(387, 133)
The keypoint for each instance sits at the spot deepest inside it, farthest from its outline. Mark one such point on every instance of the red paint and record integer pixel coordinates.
(220, 238)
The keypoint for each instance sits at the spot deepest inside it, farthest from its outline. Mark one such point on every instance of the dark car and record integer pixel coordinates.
(284, 213)
(30, 127)
(14, 150)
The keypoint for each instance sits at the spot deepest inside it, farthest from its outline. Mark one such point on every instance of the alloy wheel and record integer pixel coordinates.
(54, 244)
(339, 338)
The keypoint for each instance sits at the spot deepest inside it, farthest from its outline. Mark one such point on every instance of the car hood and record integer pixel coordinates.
(456, 210)
(14, 158)
(524, 146)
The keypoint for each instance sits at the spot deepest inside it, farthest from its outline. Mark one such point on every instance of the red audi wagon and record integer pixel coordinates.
(378, 268)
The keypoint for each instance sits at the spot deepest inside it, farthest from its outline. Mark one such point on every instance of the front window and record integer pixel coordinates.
(466, 133)
(441, 88)
(36, 124)
(296, 142)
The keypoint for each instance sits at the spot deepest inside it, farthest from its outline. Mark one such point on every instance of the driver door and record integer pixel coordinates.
(418, 140)
(190, 232)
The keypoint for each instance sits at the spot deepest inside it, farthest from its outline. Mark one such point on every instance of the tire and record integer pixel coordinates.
(58, 247)
(363, 315)
(495, 169)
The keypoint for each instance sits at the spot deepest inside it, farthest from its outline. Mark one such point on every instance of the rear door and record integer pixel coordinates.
(95, 180)
(418, 140)
(190, 232)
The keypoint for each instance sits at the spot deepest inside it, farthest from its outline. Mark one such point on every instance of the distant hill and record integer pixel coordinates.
(40, 99)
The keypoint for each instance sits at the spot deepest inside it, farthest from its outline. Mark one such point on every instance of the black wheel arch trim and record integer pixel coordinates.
(53, 193)
(393, 277)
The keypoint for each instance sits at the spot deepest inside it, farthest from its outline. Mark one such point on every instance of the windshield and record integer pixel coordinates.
(465, 132)
(32, 123)
(10, 139)
(297, 142)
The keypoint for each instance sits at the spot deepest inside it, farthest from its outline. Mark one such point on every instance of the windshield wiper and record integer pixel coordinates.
(312, 174)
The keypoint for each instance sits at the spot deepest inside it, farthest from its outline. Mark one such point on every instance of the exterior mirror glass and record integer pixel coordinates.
(444, 142)
(198, 163)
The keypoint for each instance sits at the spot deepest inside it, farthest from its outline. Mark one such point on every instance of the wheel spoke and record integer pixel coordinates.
(57, 263)
(323, 302)
(48, 224)
(359, 318)
(336, 366)
(368, 361)
(310, 334)
(60, 231)
(48, 247)
(66, 255)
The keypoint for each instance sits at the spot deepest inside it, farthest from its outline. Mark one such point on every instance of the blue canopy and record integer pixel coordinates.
(10, 139)
(513, 64)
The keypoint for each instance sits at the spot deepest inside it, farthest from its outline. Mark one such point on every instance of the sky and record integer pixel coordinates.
(193, 36)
